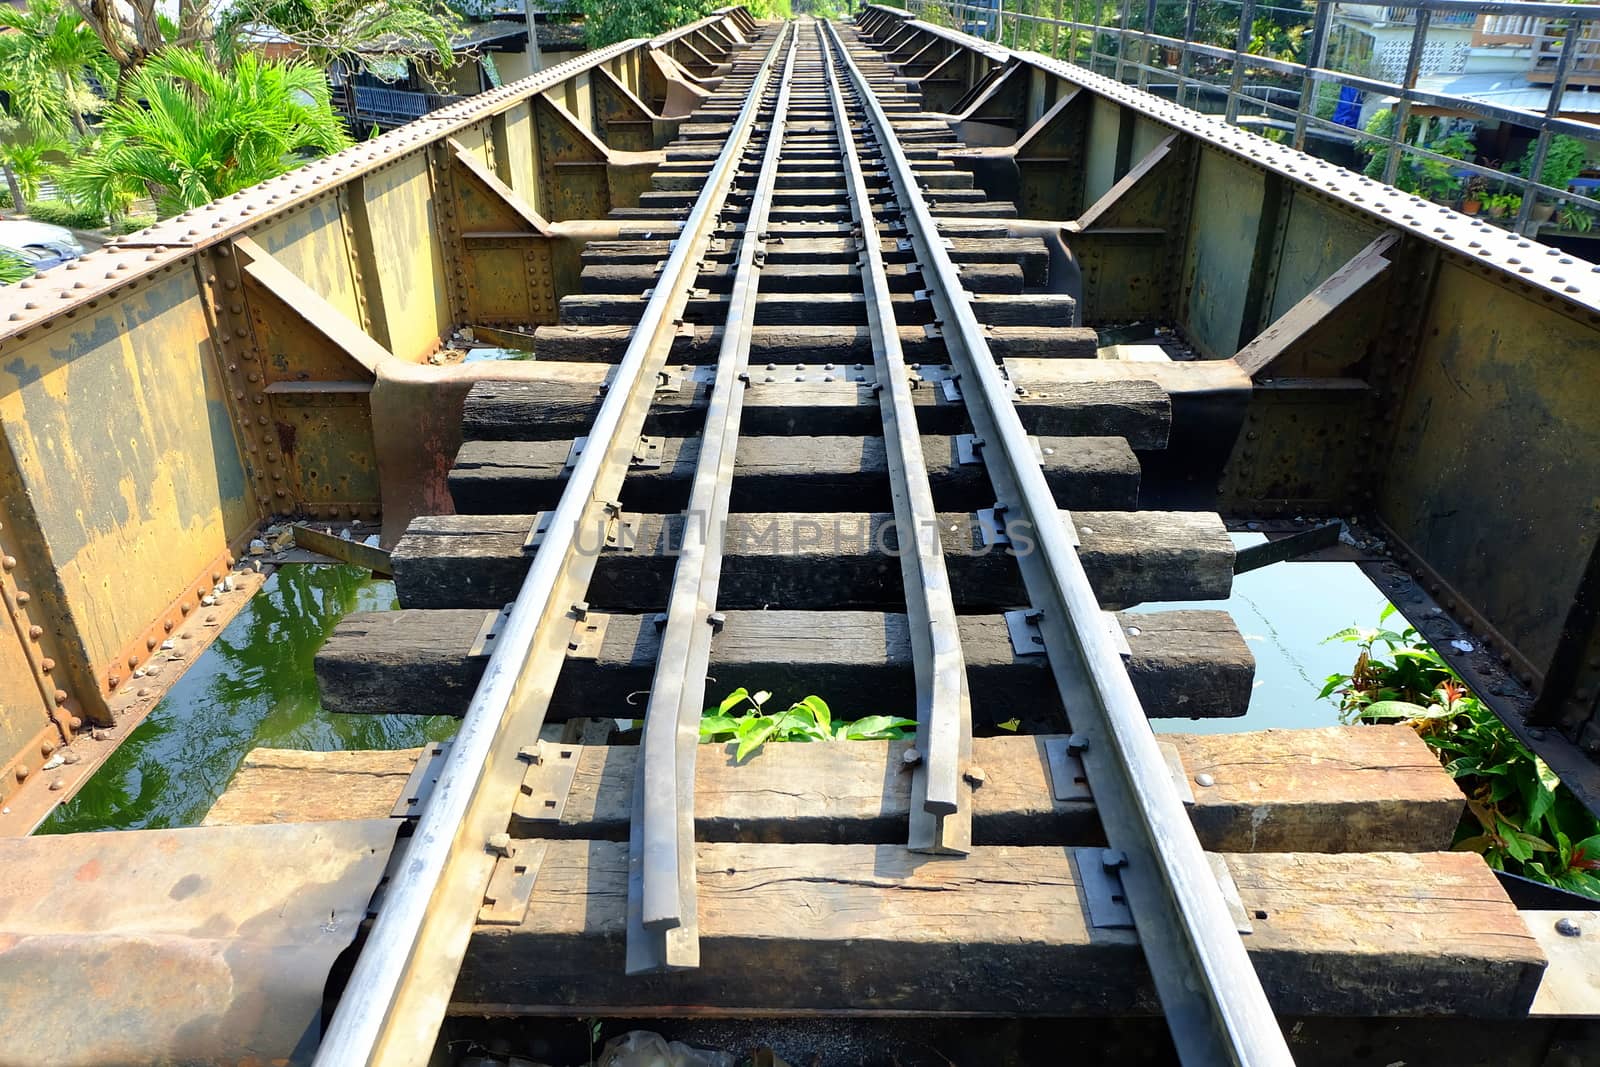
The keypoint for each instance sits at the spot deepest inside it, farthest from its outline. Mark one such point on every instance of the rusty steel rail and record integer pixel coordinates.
(397, 994)
(662, 929)
(941, 808)
(1210, 993)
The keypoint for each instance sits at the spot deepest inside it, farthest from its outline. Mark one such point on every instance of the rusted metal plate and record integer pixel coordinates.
(124, 478)
(1221, 247)
(415, 297)
(1299, 450)
(310, 243)
(1324, 238)
(1495, 445)
(349, 550)
(203, 945)
(324, 432)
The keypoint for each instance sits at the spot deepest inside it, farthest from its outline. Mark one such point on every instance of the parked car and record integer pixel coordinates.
(39, 244)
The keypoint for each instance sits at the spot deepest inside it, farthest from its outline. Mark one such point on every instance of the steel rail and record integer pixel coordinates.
(941, 804)
(397, 994)
(1210, 993)
(662, 929)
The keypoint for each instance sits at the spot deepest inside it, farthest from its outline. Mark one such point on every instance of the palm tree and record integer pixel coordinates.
(26, 160)
(188, 131)
(48, 65)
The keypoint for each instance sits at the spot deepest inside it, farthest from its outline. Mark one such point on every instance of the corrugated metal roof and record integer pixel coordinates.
(1509, 90)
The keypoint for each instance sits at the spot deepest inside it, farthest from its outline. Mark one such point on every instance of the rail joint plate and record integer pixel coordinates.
(551, 770)
(423, 776)
(493, 625)
(505, 899)
(647, 454)
(1100, 876)
(588, 635)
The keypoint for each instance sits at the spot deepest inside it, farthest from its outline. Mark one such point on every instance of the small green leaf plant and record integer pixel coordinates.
(1520, 817)
(743, 717)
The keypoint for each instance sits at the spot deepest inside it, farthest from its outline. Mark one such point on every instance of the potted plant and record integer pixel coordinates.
(1435, 182)
(1576, 219)
(1502, 205)
(1472, 195)
(1563, 161)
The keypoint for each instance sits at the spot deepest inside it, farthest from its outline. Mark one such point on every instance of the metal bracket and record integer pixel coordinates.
(1023, 626)
(488, 633)
(992, 527)
(1100, 876)
(588, 634)
(951, 388)
(622, 531)
(667, 383)
(578, 445)
(551, 769)
(969, 452)
(1069, 781)
(647, 454)
(505, 899)
(541, 526)
(430, 761)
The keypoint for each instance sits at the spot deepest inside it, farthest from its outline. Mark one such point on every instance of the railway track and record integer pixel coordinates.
(789, 341)
(810, 410)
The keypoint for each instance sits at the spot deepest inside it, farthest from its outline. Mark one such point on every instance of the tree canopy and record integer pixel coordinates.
(347, 30)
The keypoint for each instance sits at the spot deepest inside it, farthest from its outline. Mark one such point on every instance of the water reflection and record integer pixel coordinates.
(253, 687)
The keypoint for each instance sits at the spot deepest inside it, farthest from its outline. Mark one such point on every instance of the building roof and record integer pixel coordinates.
(1510, 90)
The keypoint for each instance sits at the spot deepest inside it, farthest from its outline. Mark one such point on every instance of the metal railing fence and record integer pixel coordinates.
(1268, 67)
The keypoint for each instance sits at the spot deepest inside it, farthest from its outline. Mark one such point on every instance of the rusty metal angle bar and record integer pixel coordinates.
(397, 993)
(1210, 993)
(941, 801)
(1320, 305)
(663, 933)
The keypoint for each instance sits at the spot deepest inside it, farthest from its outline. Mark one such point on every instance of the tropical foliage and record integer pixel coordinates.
(606, 21)
(61, 213)
(191, 131)
(742, 717)
(346, 30)
(1414, 174)
(31, 161)
(1519, 815)
(13, 268)
(50, 65)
